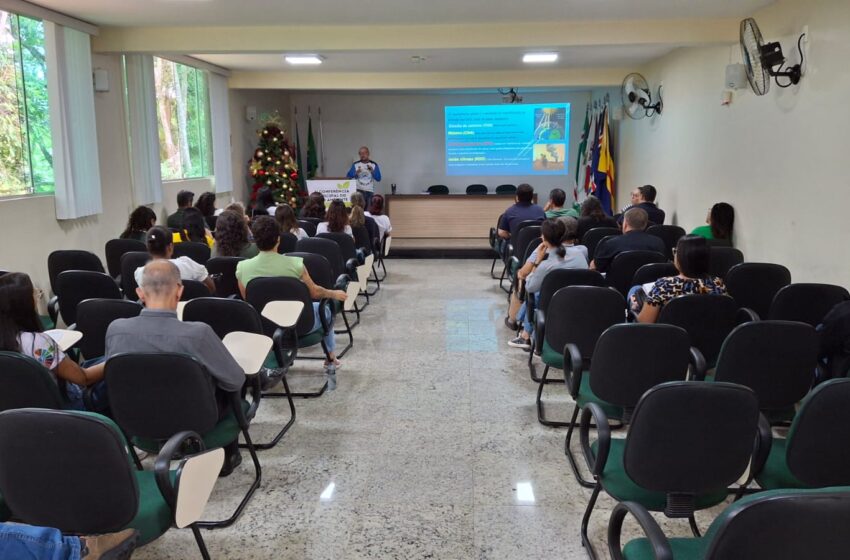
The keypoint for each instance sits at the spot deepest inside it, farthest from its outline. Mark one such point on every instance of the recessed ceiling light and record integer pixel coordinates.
(309, 59)
(533, 58)
(417, 59)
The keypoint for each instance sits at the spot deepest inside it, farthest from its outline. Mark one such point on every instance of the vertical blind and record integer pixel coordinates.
(146, 176)
(220, 121)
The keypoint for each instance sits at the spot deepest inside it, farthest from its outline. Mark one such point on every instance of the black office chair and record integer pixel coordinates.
(54, 463)
(517, 250)
(225, 316)
(198, 252)
(223, 272)
(723, 259)
(193, 289)
(314, 221)
(93, 319)
(506, 189)
(351, 255)
(754, 285)
(287, 242)
(364, 243)
(593, 236)
(719, 242)
(332, 251)
(308, 226)
(517, 262)
(74, 286)
(776, 524)
(776, 359)
(438, 189)
(129, 263)
(709, 435)
(67, 259)
(477, 188)
(495, 244)
(509, 249)
(652, 272)
(626, 362)
(623, 267)
(808, 303)
(670, 235)
(26, 383)
(154, 396)
(115, 248)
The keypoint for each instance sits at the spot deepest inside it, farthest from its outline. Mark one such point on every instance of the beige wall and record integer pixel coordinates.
(780, 159)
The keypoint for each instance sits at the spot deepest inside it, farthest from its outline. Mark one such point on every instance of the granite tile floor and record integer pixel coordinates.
(429, 447)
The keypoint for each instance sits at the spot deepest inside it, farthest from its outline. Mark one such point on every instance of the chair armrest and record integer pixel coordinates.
(282, 338)
(513, 266)
(747, 315)
(761, 449)
(361, 256)
(573, 368)
(351, 266)
(539, 330)
(173, 449)
(595, 463)
(696, 365)
(323, 304)
(235, 398)
(53, 309)
(342, 282)
(660, 545)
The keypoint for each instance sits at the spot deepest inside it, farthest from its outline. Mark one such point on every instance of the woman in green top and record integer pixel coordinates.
(231, 237)
(720, 220)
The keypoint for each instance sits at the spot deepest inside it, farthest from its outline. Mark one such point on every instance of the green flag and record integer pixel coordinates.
(302, 178)
(312, 159)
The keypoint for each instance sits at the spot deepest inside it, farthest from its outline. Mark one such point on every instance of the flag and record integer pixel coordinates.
(593, 139)
(604, 166)
(302, 177)
(312, 159)
(578, 191)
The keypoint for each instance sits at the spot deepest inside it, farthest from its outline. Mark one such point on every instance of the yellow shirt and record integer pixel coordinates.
(176, 238)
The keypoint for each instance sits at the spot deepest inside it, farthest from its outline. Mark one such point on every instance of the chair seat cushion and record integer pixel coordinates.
(776, 473)
(683, 549)
(550, 357)
(617, 483)
(222, 434)
(586, 395)
(154, 517)
(310, 339)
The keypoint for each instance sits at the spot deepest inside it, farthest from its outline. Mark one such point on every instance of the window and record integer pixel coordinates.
(182, 104)
(26, 154)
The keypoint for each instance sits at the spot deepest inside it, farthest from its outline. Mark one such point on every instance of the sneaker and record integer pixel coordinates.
(520, 342)
(109, 546)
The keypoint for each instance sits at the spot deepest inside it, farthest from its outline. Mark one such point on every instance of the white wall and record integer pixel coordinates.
(780, 159)
(405, 135)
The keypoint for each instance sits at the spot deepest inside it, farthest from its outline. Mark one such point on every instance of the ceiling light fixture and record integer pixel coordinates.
(304, 59)
(536, 58)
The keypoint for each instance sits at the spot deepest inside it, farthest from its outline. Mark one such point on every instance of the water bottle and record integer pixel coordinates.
(392, 188)
(331, 375)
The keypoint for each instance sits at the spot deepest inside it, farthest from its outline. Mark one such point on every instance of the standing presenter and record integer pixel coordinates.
(367, 174)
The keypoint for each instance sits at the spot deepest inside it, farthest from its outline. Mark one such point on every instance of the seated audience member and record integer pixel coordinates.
(184, 200)
(231, 237)
(555, 206)
(157, 329)
(21, 331)
(206, 205)
(634, 238)
(376, 212)
(314, 207)
(692, 259)
(357, 199)
(720, 223)
(522, 210)
(557, 250)
(593, 216)
(161, 246)
(644, 197)
(284, 215)
(140, 221)
(336, 220)
(270, 263)
(20, 541)
(356, 217)
(194, 229)
(266, 201)
(238, 208)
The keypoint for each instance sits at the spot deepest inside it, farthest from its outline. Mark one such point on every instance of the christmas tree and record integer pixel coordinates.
(273, 166)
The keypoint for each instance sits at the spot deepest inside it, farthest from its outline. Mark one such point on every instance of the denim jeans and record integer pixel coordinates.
(330, 340)
(367, 197)
(98, 394)
(524, 317)
(36, 543)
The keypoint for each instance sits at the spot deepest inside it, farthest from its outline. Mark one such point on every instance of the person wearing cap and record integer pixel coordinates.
(184, 200)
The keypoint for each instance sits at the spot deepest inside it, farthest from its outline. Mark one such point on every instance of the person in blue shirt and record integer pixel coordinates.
(523, 210)
(367, 174)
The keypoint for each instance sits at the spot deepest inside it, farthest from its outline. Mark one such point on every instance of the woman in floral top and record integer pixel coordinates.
(692, 259)
(21, 331)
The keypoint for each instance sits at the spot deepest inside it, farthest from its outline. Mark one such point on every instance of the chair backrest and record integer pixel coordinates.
(506, 189)
(707, 318)
(261, 291)
(25, 383)
(70, 259)
(670, 235)
(808, 303)
(580, 314)
(93, 319)
(362, 240)
(287, 242)
(593, 236)
(193, 289)
(754, 285)
(224, 315)
(816, 450)
(314, 221)
(652, 272)
(783, 524)
(563, 277)
(345, 242)
(318, 268)
(129, 263)
(518, 226)
(156, 395)
(73, 286)
(624, 265)
(117, 247)
(719, 242)
(325, 247)
(198, 252)
(477, 188)
(54, 463)
(223, 269)
(438, 189)
(631, 359)
(722, 259)
(521, 242)
(708, 434)
(308, 226)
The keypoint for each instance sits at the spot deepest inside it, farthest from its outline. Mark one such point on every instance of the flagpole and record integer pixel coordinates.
(321, 143)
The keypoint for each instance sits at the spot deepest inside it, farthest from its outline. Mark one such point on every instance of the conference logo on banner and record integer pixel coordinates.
(333, 189)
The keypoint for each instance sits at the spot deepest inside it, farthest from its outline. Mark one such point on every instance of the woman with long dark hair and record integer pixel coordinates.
(314, 207)
(284, 215)
(21, 331)
(376, 212)
(336, 220)
(720, 223)
(140, 221)
(206, 205)
(194, 228)
(231, 237)
(160, 243)
(593, 216)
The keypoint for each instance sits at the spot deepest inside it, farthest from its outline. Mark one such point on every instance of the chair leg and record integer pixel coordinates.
(585, 521)
(569, 452)
(288, 394)
(258, 474)
(373, 278)
(502, 279)
(532, 372)
(694, 528)
(202, 546)
(347, 331)
(493, 268)
(541, 415)
(383, 267)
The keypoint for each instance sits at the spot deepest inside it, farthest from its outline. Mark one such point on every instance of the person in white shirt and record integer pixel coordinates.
(376, 212)
(161, 246)
(284, 215)
(336, 220)
(367, 174)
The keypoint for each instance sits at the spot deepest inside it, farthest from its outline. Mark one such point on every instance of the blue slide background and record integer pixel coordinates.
(507, 139)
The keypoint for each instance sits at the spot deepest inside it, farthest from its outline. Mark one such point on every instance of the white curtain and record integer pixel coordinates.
(146, 176)
(220, 124)
(72, 122)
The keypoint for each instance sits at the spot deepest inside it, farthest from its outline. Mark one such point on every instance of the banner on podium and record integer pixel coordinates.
(333, 189)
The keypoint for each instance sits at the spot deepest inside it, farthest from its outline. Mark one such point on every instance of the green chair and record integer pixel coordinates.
(25, 383)
(71, 470)
(780, 524)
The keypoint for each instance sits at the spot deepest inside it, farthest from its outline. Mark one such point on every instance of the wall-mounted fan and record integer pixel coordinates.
(764, 60)
(637, 99)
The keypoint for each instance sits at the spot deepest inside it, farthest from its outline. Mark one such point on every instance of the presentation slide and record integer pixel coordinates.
(507, 139)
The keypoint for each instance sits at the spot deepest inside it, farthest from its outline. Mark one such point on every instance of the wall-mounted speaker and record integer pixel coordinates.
(101, 79)
(736, 76)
